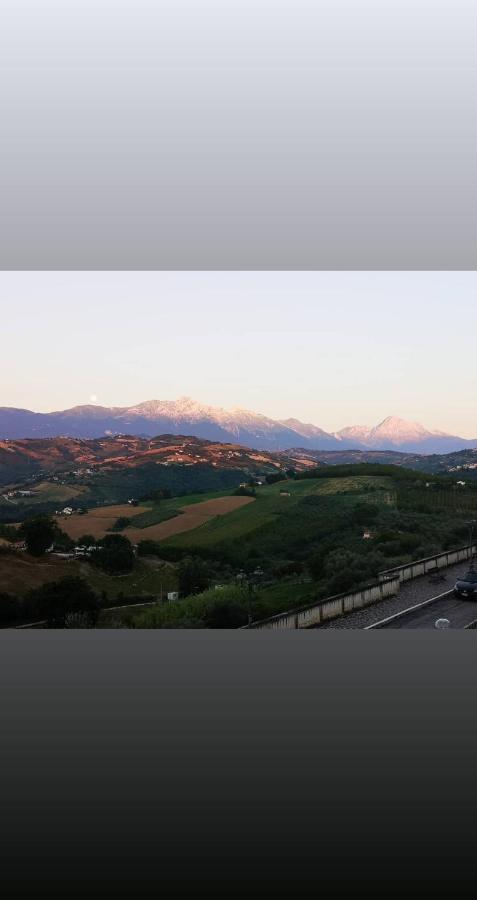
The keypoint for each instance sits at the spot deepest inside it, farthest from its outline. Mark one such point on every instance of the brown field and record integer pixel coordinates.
(20, 573)
(97, 521)
(191, 517)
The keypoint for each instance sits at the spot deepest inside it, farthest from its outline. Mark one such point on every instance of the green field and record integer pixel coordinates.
(273, 513)
(147, 578)
(311, 537)
(168, 509)
(20, 573)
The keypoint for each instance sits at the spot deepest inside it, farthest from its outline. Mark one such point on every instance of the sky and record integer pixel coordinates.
(331, 348)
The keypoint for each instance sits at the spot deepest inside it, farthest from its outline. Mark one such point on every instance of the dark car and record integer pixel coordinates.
(467, 585)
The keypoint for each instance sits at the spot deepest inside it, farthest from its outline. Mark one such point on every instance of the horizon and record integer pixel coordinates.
(333, 349)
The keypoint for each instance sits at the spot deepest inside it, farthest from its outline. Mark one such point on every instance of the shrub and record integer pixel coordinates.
(115, 554)
(148, 548)
(64, 604)
(38, 534)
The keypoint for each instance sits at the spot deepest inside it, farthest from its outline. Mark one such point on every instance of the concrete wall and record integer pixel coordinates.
(388, 585)
(421, 566)
(331, 607)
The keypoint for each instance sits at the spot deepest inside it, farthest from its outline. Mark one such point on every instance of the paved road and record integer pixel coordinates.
(460, 614)
(411, 592)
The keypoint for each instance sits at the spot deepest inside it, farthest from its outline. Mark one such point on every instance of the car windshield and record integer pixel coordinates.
(470, 578)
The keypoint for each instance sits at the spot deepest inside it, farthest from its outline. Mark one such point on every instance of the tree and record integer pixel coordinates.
(86, 540)
(115, 554)
(9, 610)
(148, 548)
(38, 534)
(121, 523)
(275, 477)
(225, 614)
(69, 603)
(62, 541)
(364, 513)
(193, 576)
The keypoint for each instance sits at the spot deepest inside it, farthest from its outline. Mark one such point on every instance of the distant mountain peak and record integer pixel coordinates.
(186, 416)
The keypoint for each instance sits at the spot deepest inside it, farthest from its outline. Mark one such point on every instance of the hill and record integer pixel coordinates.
(44, 475)
(310, 535)
(24, 459)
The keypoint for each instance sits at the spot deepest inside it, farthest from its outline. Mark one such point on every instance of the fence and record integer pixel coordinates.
(388, 585)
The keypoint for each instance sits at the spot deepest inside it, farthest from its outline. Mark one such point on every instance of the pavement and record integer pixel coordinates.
(411, 592)
(460, 614)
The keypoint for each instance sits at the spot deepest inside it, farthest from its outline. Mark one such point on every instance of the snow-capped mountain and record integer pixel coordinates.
(394, 433)
(187, 416)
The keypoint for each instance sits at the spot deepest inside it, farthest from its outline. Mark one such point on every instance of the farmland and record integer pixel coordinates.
(275, 512)
(96, 522)
(176, 519)
(307, 536)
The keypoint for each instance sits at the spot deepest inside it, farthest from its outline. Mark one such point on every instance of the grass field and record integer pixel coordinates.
(46, 492)
(272, 506)
(20, 573)
(148, 577)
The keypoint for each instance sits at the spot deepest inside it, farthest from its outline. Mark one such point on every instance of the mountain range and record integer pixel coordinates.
(250, 429)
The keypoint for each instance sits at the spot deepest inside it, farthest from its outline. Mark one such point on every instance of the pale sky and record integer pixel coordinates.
(332, 348)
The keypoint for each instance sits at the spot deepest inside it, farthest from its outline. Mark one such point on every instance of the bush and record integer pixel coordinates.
(225, 614)
(115, 554)
(148, 548)
(86, 540)
(364, 513)
(68, 603)
(121, 523)
(227, 608)
(8, 533)
(39, 534)
(193, 574)
(245, 492)
(10, 610)
(275, 477)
